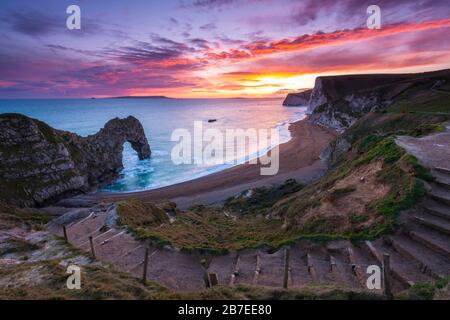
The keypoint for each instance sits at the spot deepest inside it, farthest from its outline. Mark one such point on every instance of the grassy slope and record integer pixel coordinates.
(11, 216)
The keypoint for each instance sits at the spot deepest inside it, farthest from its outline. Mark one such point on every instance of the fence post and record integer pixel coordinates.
(287, 256)
(387, 276)
(91, 241)
(144, 273)
(66, 238)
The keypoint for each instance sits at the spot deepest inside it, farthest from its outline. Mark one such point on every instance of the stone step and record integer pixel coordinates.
(224, 267)
(442, 170)
(434, 242)
(431, 263)
(176, 270)
(443, 179)
(319, 264)
(402, 269)
(299, 276)
(97, 238)
(361, 258)
(246, 266)
(118, 249)
(436, 208)
(272, 269)
(439, 193)
(433, 222)
(80, 232)
(431, 238)
(342, 268)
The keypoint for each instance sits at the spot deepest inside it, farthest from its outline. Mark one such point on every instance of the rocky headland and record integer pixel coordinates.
(39, 164)
(297, 99)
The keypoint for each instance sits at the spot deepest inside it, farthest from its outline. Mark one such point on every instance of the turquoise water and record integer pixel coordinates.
(159, 118)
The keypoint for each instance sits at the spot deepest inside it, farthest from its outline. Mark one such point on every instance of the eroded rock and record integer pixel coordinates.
(39, 164)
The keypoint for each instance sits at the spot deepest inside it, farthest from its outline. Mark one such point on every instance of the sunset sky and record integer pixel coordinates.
(210, 48)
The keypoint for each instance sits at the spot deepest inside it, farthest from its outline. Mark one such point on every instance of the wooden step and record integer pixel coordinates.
(361, 259)
(436, 208)
(402, 269)
(443, 179)
(434, 222)
(272, 269)
(342, 270)
(442, 170)
(440, 194)
(224, 267)
(247, 267)
(319, 264)
(429, 262)
(299, 276)
(431, 242)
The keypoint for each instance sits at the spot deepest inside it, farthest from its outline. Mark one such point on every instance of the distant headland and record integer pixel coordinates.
(141, 97)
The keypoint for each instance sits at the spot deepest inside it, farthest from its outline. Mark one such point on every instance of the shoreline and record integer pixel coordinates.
(299, 159)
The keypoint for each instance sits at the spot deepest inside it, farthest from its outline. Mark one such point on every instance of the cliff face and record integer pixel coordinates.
(337, 102)
(297, 99)
(39, 164)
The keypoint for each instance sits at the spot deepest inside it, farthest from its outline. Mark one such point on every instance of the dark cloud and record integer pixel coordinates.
(208, 27)
(33, 23)
(200, 43)
(160, 53)
(212, 3)
(305, 12)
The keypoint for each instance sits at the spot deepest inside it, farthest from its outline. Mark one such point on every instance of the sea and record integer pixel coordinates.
(160, 117)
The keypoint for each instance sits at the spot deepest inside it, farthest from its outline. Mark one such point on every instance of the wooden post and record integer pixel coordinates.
(144, 273)
(287, 257)
(91, 241)
(235, 271)
(387, 276)
(66, 238)
(257, 270)
(213, 279)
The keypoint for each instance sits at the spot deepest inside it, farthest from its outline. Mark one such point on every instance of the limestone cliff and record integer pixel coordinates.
(297, 99)
(39, 164)
(338, 101)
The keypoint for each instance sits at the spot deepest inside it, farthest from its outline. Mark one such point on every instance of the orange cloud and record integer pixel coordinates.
(305, 42)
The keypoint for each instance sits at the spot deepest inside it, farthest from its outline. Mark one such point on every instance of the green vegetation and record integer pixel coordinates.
(430, 102)
(47, 280)
(357, 218)
(340, 192)
(244, 292)
(261, 199)
(428, 291)
(199, 228)
(11, 216)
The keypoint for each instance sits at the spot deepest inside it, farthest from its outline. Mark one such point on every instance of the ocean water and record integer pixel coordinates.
(160, 117)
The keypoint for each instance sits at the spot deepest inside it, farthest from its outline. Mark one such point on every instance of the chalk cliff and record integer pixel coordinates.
(338, 101)
(39, 164)
(298, 99)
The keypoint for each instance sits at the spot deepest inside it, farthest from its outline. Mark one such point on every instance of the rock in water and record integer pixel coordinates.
(297, 99)
(39, 164)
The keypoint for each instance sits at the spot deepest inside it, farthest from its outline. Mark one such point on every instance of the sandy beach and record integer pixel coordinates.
(299, 159)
